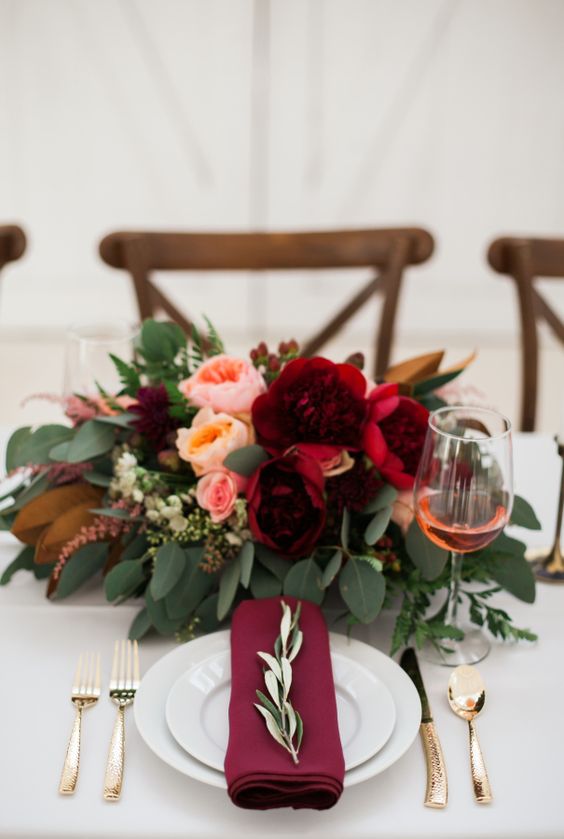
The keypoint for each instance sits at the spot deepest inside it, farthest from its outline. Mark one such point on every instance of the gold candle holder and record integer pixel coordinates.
(550, 569)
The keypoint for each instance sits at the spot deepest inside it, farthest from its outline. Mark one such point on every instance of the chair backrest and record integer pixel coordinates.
(524, 260)
(12, 243)
(388, 251)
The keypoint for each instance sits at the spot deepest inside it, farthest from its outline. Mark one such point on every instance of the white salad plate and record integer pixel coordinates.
(365, 709)
(156, 686)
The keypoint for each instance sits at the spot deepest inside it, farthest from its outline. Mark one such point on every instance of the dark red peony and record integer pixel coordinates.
(394, 435)
(286, 505)
(313, 401)
(154, 421)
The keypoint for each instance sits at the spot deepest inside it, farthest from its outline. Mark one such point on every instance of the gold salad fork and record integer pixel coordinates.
(85, 692)
(123, 684)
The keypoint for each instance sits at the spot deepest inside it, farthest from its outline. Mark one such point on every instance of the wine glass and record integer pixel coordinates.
(87, 356)
(463, 500)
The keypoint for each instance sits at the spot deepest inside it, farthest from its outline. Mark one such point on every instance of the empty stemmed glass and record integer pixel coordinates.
(87, 356)
(463, 500)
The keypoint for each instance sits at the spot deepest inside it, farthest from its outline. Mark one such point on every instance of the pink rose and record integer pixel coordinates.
(217, 492)
(225, 384)
(209, 440)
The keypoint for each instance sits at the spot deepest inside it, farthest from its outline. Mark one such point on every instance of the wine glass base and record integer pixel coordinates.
(473, 648)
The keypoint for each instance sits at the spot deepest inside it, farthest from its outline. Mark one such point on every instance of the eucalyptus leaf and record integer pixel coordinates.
(140, 625)
(23, 562)
(191, 588)
(246, 557)
(275, 563)
(83, 564)
(91, 440)
(36, 447)
(515, 575)
(332, 569)
(263, 583)
(363, 589)
(228, 585)
(112, 513)
(97, 479)
(123, 579)
(122, 420)
(207, 614)
(385, 498)
(345, 528)
(523, 514)
(136, 548)
(170, 561)
(377, 526)
(13, 447)
(36, 487)
(60, 452)
(158, 615)
(428, 557)
(246, 460)
(304, 581)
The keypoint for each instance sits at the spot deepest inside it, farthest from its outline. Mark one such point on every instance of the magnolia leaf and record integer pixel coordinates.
(273, 664)
(285, 624)
(83, 564)
(246, 558)
(304, 581)
(523, 514)
(296, 646)
(140, 625)
(91, 440)
(414, 369)
(363, 589)
(264, 700)
(170, 561)
(272, 683)
(228, 584)
(286, 675)
(385, 498)
(377, 526)
(246, 460)
(428, 557)
(49, 506)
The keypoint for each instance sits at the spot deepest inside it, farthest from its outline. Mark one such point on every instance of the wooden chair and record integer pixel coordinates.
(12, 243)
(524, 260)
(388, 251)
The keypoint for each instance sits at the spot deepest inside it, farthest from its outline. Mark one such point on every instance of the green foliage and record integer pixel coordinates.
(128, 376)
(363, 589)
(378, 526)
(228, 585)
(23, 561)
(124, 579)
(15, 443)
(158, 614)
(246, 460)
(263, 583)
(428, 557)
(83, 564)
(92, 439)
(35, 447)
(332, 569)
(304, 581)
(215, 344)
(170, 561)
(272, 561)
(246, 558)
(140, 625)
(524, 515)
(385, 498)
(191, 588)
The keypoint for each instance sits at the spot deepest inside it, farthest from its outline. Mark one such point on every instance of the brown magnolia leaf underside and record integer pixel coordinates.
(61, 531)
(46, 508)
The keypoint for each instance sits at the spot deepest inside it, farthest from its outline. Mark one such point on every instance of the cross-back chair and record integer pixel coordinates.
(525, 260)
(388, 251)
(12, 243)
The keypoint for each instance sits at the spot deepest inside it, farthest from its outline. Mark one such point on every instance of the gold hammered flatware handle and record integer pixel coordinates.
(114, 767)
(480, 780)
(69, 775)
(436, 794)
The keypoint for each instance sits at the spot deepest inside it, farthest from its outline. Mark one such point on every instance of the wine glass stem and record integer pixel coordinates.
(451, 617)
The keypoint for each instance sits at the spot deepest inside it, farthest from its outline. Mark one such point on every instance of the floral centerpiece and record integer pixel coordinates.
(209, 479)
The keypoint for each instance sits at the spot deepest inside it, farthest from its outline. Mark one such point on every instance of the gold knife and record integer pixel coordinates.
(436, 794)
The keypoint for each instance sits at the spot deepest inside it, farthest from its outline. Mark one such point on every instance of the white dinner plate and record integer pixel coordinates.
(198, 704)
(151, 698)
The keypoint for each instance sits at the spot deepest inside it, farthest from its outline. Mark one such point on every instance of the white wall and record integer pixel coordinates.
(233, 114)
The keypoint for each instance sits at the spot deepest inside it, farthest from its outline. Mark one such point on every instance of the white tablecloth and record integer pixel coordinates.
(521, 729)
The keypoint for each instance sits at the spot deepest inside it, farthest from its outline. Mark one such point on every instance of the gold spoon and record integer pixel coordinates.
(466, 696)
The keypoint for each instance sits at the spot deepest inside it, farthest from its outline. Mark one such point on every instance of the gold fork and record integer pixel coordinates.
(123, 684)
(85, 692)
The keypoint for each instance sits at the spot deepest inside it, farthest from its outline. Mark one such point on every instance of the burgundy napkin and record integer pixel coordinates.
(260, 773)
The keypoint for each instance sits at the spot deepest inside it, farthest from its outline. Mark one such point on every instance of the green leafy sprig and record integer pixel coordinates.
(283, 722)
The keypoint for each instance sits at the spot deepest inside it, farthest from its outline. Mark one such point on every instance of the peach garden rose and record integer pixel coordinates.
(217, 493)
(210, 439)
(224, 383)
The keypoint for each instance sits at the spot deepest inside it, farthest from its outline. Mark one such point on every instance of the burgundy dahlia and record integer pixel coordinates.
(313, 401)
(352, 489)
(154, 422)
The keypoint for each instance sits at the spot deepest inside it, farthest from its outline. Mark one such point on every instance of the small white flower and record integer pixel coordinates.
(174, 501)
(233, 539)
(169, 512)
(152, 515)
(137, 496)
(150, 502)
(178, 524)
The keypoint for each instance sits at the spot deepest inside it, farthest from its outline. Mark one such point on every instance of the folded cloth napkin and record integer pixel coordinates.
(260, 772)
